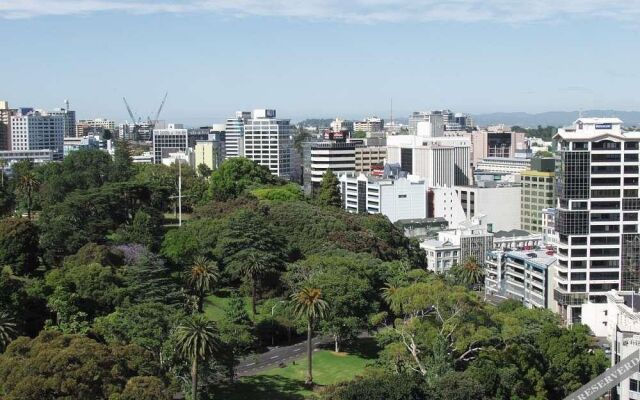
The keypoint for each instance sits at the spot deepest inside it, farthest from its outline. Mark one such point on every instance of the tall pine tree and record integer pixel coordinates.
(329, 194)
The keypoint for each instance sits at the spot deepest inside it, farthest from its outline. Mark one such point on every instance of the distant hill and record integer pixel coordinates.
(553, 118)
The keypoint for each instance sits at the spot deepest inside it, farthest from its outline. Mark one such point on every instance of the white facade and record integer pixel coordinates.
(428, 124)
(268, 142)
(500, 205)
(618, 320)
(520, 275)
(38, 130)
(443, 161)
(597, 213)
(454, 246)
(441, 256)
(171, 140)
(504, 165)
(446, 204)
(37, 156)
(402, 198)
(340, 158)
(234, 134)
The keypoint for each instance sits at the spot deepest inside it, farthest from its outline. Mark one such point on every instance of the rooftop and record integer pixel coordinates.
(511, 233)
(539, 257)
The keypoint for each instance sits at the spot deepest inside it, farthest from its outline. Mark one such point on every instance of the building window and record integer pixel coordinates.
(633, 385)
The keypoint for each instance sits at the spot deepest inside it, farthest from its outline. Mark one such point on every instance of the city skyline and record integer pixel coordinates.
(320, 58)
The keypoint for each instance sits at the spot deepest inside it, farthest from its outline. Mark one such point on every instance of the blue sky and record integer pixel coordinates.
(319, 58)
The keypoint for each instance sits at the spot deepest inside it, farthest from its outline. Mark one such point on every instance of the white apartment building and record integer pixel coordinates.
(401, 198)
(618, 320)
(38, 130)
(234, 134)
(268, 141)
(174, 139)
(371, 124)
(443, 161)
(521, 275)
(596, 213)
(454, 246)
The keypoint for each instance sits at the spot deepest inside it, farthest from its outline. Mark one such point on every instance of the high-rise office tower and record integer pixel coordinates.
(234, 134)
(38, 130)
(597, 213)
(268, 141)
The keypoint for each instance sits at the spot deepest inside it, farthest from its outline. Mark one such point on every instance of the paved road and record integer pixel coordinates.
(256, 363)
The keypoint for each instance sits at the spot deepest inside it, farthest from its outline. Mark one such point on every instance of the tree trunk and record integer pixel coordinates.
(201, 304)
(194, 379)
(335, 339)
(253, 296)
(309, 380)
(29, 204)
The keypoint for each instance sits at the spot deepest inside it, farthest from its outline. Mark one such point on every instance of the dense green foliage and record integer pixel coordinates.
(102, 296)
(56, 365)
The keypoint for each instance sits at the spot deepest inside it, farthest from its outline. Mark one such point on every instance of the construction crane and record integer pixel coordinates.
(155, 120)
(137, 122)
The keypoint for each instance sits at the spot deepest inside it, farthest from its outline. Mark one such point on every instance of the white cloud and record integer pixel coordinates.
(359, 11)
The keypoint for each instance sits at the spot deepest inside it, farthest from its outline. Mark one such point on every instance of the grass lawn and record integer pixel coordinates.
(288, 383)
(214, 306)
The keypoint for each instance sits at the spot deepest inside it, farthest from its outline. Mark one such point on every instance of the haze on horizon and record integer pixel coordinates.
(319, 58)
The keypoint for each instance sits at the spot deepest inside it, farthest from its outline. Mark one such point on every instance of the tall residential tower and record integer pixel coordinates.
(597, 213)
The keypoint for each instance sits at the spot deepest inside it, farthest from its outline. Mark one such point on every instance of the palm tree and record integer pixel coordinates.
(7, 330)
(201, 277)
(470, 272)
(390, 296)
(308, 304)
(253, 270)
(197, 340)
(28, 184)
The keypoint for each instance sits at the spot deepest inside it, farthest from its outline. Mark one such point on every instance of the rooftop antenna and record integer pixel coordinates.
(391, 116)
(66, 104)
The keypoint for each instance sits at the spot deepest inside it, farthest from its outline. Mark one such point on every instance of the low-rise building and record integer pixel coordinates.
(37, 156)
(470, 239)
(521, 275)
(396, 198)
